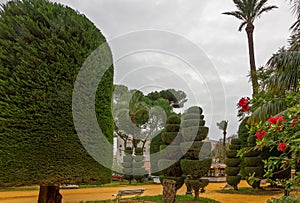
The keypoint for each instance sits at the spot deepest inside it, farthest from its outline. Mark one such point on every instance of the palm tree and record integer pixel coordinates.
(247, 11)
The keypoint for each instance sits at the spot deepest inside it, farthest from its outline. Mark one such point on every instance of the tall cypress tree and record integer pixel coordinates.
(42, 47)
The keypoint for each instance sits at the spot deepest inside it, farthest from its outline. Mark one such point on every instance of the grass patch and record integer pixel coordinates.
(251, 191)
(25, 188)
(157, 199)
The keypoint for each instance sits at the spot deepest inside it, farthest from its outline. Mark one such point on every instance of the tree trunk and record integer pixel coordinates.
(253, 75)
(169, 191)
(224, 138)
(196, 195)
(49, 194)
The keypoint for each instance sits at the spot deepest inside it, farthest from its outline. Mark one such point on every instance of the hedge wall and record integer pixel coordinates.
(43, 45)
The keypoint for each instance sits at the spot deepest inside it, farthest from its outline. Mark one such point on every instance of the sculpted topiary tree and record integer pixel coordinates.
(195, 163)
(138, 165)
(233, 164)
(43, 45)
(253, 163)
(172, 178)
(128, 164)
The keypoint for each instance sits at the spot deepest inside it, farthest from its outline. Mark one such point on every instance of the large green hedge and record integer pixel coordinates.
(42, 47)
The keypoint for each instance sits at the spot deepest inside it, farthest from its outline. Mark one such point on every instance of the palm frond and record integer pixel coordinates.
(259, 5)
(242, 25)
(269, 108)
(265, 10)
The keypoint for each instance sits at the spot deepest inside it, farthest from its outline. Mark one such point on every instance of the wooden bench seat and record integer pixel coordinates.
(129, 192)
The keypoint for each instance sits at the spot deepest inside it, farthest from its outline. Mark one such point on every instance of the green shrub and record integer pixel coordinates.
(174, 119)
(172, 127)
(234, 147)
(235, 141)
(171, 152)
(231, 153)
(127, 164)
(194, 133)
(173, 170)
(233, 161)
(127, 158)
(251, 153)
(42, 48)
(195, 109)
(186, 116)
(138, 150)
(233, 180)
(252, 161)
(197, 184)
(284, 199)
(138, 164)
(195, 168)
(258, 170)
(127, 171)
(168, 137)
(231, 171)
(192, 122)
(139, 158)
(251, 141)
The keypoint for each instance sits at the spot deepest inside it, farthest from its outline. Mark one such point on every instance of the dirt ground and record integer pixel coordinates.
(103, 193)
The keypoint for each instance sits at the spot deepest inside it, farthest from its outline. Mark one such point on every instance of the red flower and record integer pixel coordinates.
(282, 146)
(245, 108)
(244, 104)
(261, 134)
(274, 120)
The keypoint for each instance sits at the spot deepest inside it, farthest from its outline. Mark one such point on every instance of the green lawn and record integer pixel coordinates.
(158, 199)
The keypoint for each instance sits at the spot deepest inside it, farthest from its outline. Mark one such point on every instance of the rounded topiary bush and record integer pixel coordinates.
(193, 122)
(169, 137)
(251, 141)
(186, 116)
(233, 180)
(231, 153)
(127, 158)
(172, 152)
(195, 168)
(127, 164)
(173, 119)
(258, 170)
(232, 171)
(138, 151)
(251, 153)
(172, 127)
(195, 110)
(233, 161)
(195, 133)
(234, 147)
(236, 141)
(252, 161)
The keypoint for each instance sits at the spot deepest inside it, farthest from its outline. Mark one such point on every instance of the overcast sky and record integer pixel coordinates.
(194, 48)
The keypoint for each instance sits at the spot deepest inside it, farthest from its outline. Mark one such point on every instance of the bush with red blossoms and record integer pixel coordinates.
(281, 132)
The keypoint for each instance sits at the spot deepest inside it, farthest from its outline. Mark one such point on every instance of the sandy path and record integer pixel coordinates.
(76, 195)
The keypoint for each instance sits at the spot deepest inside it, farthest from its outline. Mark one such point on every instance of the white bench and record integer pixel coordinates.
(128, 192)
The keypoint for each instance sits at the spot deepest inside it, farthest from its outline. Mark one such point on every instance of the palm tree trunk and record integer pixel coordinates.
(249, 29)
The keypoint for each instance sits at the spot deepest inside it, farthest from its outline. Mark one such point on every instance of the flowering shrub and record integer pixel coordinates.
(281, 132)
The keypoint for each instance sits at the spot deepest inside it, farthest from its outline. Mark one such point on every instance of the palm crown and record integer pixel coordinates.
(249, 10)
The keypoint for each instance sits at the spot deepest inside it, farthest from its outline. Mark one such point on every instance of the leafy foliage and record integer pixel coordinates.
(43, 45)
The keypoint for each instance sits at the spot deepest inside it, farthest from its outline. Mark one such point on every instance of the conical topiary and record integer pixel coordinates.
(171, 153)
(195, 163)
(233, 164)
